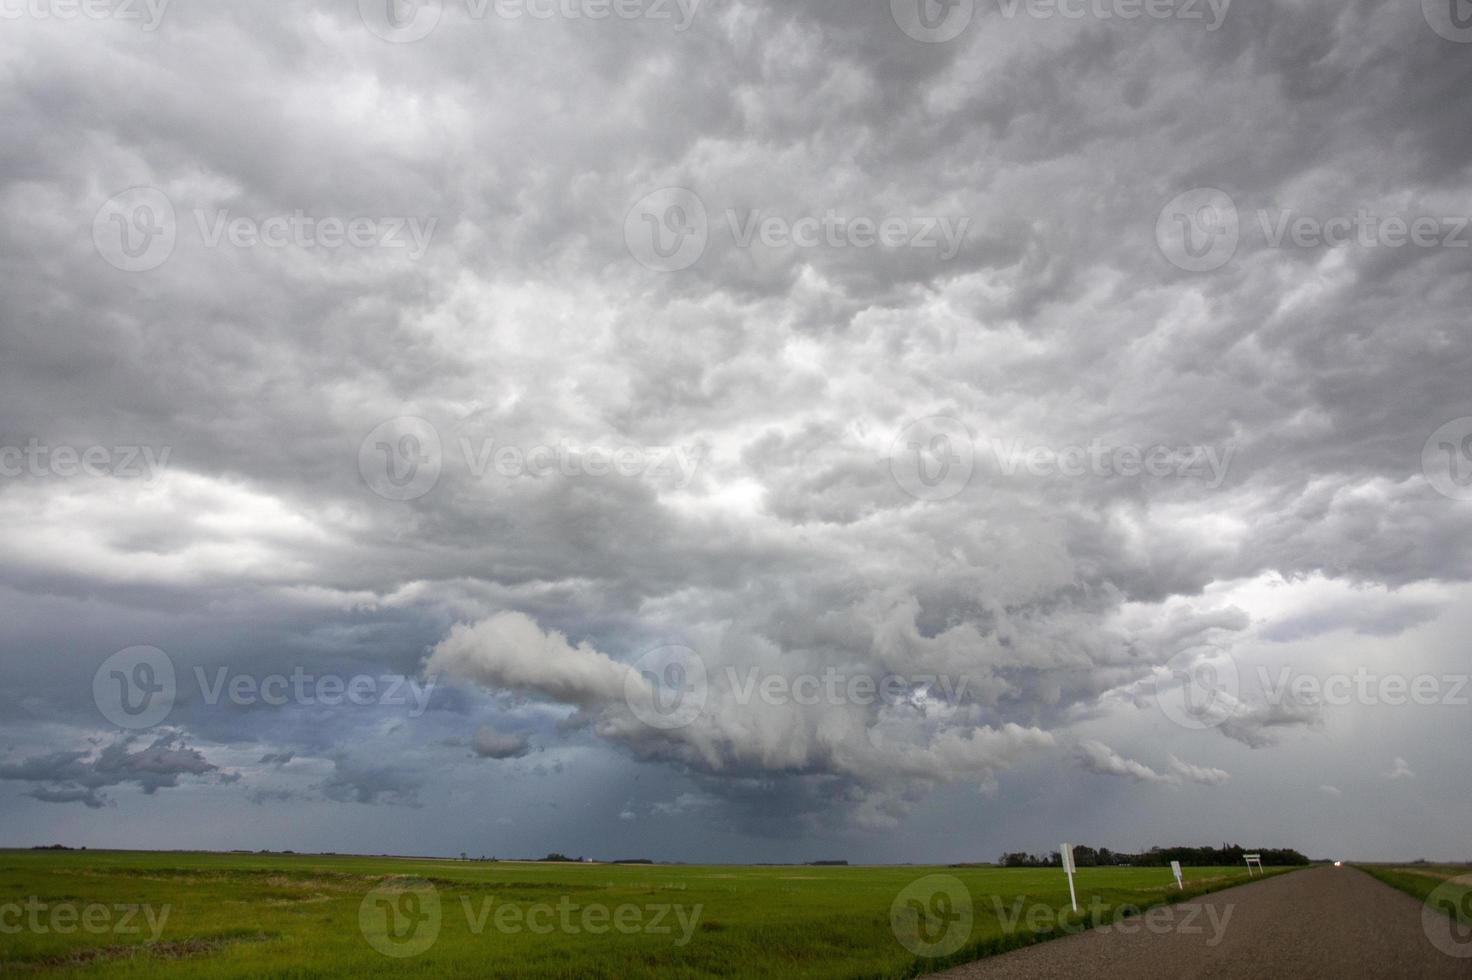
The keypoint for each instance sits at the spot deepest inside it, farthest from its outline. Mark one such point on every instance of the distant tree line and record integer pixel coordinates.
(1190, 857)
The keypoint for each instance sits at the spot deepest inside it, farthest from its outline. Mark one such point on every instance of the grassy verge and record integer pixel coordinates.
(1093, 914)
(1451, 885)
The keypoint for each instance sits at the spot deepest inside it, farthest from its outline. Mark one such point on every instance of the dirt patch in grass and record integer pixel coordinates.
(1438, 874)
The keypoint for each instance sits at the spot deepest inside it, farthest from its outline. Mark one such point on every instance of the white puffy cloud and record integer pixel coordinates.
(1401, 769)
(1096, 757)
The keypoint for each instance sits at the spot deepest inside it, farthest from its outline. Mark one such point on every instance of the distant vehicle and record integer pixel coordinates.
(1338, 864)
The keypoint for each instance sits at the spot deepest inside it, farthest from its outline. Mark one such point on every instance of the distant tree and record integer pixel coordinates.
(1227, 855)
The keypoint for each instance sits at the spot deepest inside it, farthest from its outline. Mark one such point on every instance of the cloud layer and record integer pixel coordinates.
(417, 399)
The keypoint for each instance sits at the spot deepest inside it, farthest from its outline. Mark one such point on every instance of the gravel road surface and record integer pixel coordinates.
(1321, 922)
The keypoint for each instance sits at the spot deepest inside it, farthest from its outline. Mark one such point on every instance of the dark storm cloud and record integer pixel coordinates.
(785, 375)
(356, 781)
(491, 744)
(80, 776)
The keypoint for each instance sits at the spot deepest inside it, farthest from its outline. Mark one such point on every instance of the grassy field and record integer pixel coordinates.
(1451, 883)
(247, 915)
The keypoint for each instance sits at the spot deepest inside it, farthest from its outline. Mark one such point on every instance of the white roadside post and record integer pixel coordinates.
(1254, 859)
(1067, 854)
(1175, 869)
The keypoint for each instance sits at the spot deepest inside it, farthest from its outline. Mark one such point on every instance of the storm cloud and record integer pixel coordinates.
(903, 383)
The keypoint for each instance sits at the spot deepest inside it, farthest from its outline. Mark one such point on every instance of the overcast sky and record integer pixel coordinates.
(736, 431)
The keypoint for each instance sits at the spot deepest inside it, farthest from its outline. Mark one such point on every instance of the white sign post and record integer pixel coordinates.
(1067, 854)
(1254, 859)
(1175, 869)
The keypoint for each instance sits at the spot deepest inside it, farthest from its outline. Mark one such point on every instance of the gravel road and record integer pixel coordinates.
(1321, 922)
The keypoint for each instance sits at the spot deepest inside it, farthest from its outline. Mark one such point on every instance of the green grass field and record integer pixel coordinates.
(246, 915)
